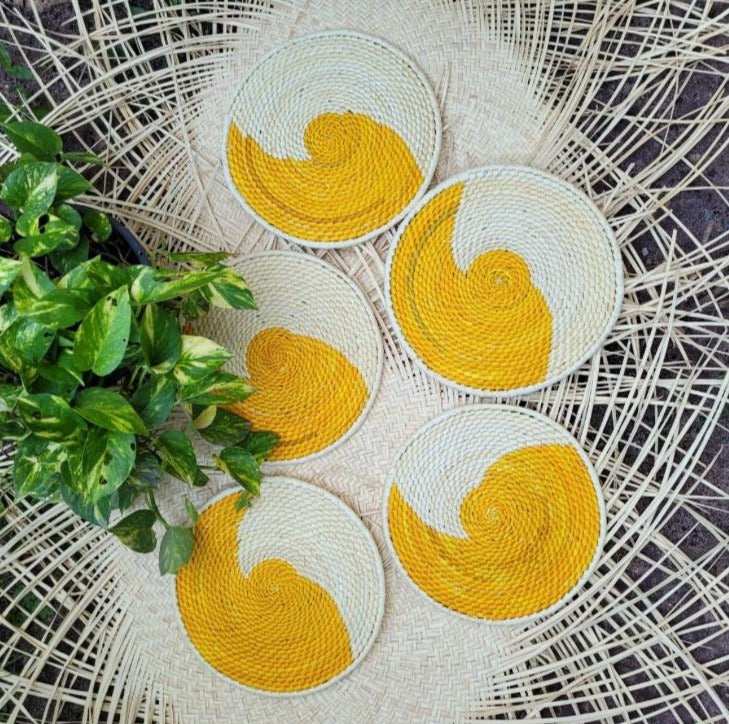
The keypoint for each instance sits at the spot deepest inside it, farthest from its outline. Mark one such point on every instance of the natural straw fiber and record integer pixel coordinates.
(312, 351)
(331, 138)
(504, 280)
(494, 512)
(284, 597)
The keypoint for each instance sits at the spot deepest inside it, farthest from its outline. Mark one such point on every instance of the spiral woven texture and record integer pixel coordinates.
(504, 279)
(283, 597)
(494, 512)
(331, 138)
(312, 351)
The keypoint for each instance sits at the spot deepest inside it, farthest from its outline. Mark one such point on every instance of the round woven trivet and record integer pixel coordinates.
(494, 512)
(284, 597)
(331, 138)
(312, 350)
(503, 280)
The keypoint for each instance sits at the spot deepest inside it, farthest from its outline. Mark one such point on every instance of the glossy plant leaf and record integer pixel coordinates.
(102, 337)
(136, 531)
(176, 549)
(108, 409)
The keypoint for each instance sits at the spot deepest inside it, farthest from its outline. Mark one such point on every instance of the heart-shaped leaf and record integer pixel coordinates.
(24, 344)
(231, 292)
(31, 188)
(33, 138)
(146, 472)
(70, 184)
(99, 224)
(226, 428)
(260, 444)
(219, 388)
(106, 461)
(36, 468)
(154, 399)
(200, 357)
(102, 337)
(241, 466)
(57, 309)
(176, 549)
(50, 417)
(160, 338)
(178, 456)
(108, 409)
(136, 531)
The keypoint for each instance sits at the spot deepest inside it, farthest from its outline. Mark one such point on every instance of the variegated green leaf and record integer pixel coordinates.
(9, 269)
(200, 357)
(178, 456)
(102, 337)
(219, 388)
(31, 188)
(160, 338)
(154, 399)
(225, 428)
(136, 531)
(36, 468)
(241, 466)
(50, 417)
(108, 458)
(108, 409)
(176, 549)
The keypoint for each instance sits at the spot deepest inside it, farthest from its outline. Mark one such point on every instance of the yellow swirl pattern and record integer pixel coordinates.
(307, 392)
(273, 630)
(359, 176)
(489, 328)
(532, 527)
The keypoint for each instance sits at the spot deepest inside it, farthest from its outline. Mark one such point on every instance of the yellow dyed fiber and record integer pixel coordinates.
(307, 392)
(532, 528)
(274, 629)
(488, 328)
(358, 177)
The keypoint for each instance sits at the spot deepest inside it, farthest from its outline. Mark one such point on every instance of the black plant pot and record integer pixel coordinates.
(138, 252)
(122, 246)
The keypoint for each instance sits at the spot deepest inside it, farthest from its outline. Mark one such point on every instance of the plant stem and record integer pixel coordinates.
(153, 505)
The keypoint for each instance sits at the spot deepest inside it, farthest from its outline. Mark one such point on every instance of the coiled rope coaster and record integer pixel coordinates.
(494, 512)
(504, 280)
(312, 351)
(331, 138)
(286, 596)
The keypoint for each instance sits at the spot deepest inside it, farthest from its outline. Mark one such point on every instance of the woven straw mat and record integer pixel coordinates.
(286, 596)
(312, 351)
(503, 280)
(494, 512)
(331, 138)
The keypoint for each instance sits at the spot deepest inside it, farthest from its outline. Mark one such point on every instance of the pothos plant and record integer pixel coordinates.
(93, 358)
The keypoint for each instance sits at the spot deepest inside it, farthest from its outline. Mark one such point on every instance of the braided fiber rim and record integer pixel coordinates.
(427, 172)
(358, 526)
(488, 409)
(575, 197)
(362, 346)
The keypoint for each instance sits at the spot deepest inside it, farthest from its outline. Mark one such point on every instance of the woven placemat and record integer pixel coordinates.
(494, 512)
(312, 350)
(331, 138)
(285, 597)
(504, 280)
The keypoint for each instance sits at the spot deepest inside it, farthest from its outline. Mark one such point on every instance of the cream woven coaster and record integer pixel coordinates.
(494, 512)
(504, 280)
(285, 597)
(331, 138)
(313, 351)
